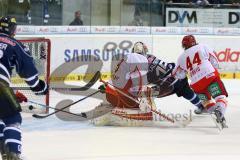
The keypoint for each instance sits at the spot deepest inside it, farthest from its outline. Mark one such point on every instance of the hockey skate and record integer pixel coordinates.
(13, 156)
(219, 119)
(2, 150)
(200, 110)
(10, 155)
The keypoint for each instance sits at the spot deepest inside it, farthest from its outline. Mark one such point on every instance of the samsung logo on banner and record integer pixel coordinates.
(177, 16)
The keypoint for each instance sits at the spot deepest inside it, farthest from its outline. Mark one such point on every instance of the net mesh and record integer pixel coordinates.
(40, 51)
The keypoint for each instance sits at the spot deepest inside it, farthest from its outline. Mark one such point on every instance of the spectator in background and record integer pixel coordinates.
(137, 20)
(3, 7)
(77, 20)
(19, 10)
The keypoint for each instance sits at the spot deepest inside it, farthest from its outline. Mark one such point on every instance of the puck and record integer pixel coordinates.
(30, 107)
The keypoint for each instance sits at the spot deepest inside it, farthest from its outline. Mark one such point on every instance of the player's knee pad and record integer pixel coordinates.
(12, 137)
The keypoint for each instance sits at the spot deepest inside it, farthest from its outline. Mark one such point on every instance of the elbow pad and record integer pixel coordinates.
(214, 62)
(40, 89)
(180, 74)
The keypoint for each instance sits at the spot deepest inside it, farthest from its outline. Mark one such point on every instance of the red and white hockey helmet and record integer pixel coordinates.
(140, 48)
(188, 41)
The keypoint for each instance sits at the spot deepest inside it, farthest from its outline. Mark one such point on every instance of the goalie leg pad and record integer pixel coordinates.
(125, 117)
(118, 100)
(9, 104)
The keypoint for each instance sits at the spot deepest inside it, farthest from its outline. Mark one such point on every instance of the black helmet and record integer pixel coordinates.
(8, 25)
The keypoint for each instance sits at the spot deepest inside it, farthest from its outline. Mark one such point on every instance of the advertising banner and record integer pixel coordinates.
(90, 53)
(97, 52)
(228, 53)
(207, 17)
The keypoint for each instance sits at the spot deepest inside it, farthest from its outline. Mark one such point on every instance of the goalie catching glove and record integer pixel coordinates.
(21, 97)
(41, 88)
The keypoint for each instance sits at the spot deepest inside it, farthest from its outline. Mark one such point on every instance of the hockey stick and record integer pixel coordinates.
(84, 88)
(49, 107)
(45, 116)
(137, 101)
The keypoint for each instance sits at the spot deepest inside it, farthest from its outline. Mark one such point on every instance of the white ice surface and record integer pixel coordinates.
(54, 139)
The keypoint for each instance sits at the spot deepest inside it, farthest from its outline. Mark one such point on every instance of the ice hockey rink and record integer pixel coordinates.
(54, 139)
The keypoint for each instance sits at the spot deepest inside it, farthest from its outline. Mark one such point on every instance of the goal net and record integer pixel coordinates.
(40, 51)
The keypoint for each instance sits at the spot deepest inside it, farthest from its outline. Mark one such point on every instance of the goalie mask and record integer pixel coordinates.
(140, 48)
(8, 25)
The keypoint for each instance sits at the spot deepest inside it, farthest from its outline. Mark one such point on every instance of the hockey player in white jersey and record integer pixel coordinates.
(130, 78)
(201, 64)
(160, 74)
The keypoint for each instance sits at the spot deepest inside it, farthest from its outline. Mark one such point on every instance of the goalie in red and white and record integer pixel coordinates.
(129, 79)
(201, 64)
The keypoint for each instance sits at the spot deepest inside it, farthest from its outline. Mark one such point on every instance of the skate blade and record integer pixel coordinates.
(218, 125)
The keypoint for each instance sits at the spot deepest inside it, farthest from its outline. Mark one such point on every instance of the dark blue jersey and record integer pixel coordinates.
(158, 69)
(14, 54)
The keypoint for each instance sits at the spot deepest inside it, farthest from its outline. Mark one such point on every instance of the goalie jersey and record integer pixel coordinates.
(130, 73)
(14, 54)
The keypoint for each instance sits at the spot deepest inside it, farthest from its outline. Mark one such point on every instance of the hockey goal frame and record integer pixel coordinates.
(48, 61)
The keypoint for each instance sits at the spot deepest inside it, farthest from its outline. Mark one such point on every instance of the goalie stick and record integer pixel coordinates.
(84, 88)
(56, 111)
(49, 107)
(83, 116)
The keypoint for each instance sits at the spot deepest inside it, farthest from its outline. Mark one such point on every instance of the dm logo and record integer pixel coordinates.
(177, 16)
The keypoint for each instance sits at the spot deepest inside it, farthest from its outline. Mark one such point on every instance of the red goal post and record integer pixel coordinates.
(40, 49)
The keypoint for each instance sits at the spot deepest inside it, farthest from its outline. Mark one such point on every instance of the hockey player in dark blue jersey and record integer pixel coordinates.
(14, 55)
(159, 73)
